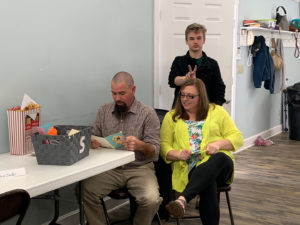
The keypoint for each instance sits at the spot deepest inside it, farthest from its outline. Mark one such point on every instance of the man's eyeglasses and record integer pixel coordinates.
(188, 96)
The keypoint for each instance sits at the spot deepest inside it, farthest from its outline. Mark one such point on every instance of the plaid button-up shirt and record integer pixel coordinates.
(141, 121)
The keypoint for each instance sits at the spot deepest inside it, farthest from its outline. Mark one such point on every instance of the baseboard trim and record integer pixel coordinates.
(249, 142)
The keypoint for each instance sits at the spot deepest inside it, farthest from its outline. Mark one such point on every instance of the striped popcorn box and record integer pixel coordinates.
(21, 124)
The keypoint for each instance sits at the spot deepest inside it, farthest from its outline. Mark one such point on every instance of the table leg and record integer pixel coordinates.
(81, 206)
(56, 208)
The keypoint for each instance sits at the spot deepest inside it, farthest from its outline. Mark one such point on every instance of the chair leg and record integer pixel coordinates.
(229, 207)
(133, 206)
(157, 218)
(105, 212)
(177, 221)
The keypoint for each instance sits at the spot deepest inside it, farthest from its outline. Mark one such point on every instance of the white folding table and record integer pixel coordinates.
(40, 179)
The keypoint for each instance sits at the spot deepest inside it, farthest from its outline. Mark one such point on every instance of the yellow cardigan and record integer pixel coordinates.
(174, 136)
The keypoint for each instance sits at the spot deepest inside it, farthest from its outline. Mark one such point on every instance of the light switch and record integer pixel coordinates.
(240, 69)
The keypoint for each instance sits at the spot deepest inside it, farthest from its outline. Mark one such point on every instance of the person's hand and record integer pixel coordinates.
(184, 154)
(192, 73)
(212, 148)
(94, 144)
(132, 143)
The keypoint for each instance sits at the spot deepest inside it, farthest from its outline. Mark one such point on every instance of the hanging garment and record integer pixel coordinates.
(263, 66)
(280, 75)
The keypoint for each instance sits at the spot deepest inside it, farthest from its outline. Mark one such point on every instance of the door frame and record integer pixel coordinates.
(157, 90)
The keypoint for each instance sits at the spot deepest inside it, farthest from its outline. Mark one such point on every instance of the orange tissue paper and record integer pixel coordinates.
(52, 131)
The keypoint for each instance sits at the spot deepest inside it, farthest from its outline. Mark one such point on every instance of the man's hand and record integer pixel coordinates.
(132, 143)
(180, 80)
(94, 144)
(192, 73)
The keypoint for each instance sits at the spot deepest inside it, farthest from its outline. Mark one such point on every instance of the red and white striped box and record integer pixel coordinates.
(21, 124)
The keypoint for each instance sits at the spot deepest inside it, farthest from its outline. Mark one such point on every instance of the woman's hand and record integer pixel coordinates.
(212, 148)
(185, 154)
(175, 155)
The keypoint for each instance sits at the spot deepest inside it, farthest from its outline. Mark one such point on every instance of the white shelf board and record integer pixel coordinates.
(288, 37)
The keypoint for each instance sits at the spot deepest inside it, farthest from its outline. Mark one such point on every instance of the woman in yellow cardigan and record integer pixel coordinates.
(197, 138)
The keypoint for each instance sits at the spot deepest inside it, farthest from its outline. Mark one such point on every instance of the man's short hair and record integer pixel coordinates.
(195, 27)
(123, 76)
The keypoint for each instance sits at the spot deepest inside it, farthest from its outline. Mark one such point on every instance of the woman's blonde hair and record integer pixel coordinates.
(203, 102)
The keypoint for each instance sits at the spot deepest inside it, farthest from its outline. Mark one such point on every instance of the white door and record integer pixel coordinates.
(172, 17)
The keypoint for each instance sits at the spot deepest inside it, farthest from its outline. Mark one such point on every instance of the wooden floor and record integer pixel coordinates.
(266, 188)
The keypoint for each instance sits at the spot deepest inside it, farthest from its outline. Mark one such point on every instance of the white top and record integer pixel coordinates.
(40, 179)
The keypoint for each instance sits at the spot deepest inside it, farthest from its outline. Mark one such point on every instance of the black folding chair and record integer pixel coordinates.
(119, 194)
(14, 203)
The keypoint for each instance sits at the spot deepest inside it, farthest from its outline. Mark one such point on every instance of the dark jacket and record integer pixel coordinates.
(208, 72)
(263, 65)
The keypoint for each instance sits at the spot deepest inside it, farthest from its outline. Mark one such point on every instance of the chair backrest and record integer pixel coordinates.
(163, 173)
(161, 114)
(13, 203)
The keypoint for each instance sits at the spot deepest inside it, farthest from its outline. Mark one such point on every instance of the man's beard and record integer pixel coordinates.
(121, 110)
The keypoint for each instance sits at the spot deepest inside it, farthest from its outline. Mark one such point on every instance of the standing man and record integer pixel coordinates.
(140, 124)
(196, 64)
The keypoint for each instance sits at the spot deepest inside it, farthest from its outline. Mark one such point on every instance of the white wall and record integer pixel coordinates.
(63, 53)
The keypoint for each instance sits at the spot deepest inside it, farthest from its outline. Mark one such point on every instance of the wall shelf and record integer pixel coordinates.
(288, 37)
